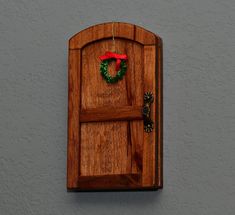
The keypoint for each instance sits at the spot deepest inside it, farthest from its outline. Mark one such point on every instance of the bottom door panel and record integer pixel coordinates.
(113, 147)
(105, 148)
(111, 155)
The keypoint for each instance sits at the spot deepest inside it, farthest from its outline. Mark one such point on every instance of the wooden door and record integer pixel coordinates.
(108, 148)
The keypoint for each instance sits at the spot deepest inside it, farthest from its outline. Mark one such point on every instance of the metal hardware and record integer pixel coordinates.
(148, 123)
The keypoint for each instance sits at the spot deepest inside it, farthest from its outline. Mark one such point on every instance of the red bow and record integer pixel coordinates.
(118, 57)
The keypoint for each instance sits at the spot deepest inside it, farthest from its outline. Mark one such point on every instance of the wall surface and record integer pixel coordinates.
(199, 104)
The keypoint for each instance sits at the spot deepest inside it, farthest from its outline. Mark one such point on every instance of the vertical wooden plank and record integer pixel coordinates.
(149, 165)
(136, 85)
(136, 127)
(73, 118)
(160, 114)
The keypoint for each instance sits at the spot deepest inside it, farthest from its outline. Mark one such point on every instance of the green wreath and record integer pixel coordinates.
(105, 74)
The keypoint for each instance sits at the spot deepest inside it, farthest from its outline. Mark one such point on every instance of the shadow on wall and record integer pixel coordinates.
(128, 197)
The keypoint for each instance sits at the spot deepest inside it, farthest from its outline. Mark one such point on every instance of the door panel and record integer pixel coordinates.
(107, 151)
(95, 92)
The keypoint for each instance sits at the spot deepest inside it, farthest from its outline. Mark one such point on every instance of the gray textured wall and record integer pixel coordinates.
(199, 143)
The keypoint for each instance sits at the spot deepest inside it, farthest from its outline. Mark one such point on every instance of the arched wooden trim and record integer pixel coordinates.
(121, 30)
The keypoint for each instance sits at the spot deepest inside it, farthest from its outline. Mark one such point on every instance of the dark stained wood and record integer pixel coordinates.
(118, 181)
(111, 114)
(159, 119)
(107, 146)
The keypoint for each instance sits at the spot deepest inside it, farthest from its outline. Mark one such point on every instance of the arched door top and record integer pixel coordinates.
(121, 30)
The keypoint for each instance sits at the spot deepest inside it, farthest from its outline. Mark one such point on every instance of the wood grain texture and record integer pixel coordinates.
(144, 37)
(73, 119)
(104, 148)
(110, 149)
(108, 114)
(95, 91)
(101, 31)
(104, 31)
(110, 101)
(149, 142)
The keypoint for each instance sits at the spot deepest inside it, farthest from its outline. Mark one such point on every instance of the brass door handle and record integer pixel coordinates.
(146, 111)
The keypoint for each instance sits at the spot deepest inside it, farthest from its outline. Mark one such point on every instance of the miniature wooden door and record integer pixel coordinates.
(109, 145)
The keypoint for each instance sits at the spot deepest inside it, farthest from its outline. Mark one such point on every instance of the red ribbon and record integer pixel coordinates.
(118, 57)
